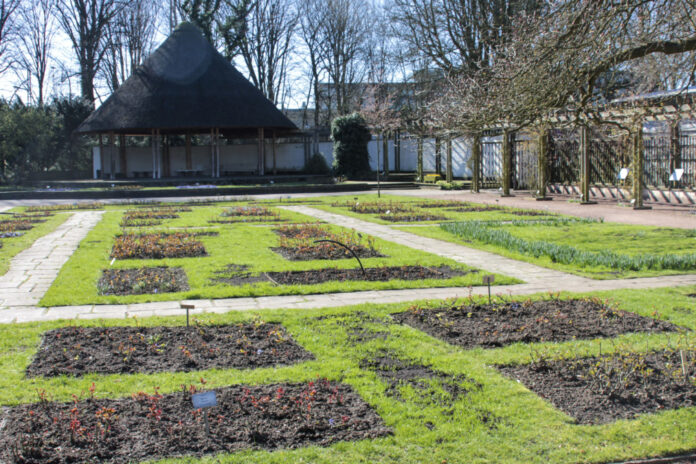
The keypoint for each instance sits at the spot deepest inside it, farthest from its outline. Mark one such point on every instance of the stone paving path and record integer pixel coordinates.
(33, 270)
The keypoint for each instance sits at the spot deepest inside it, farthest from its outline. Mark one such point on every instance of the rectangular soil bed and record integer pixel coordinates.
(113, 350)
(498, 325)
(142, 281)
(153, 427)
(617, 386)
(157, 246)
(238, 275)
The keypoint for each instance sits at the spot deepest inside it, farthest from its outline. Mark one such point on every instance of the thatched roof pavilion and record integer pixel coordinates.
(187, 87)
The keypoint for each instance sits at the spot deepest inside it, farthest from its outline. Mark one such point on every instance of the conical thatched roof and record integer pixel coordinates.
(186, 85)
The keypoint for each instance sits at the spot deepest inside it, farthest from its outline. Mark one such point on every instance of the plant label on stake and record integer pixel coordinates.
(204, 401)
(187, 307)
(488, 280)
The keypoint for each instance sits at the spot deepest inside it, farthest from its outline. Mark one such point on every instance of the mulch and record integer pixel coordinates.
(113, 350)
(603, 389)
(497, 325)
(155, 426)
(142, 280)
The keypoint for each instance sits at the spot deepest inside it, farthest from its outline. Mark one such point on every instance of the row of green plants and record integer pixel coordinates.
(568, 254)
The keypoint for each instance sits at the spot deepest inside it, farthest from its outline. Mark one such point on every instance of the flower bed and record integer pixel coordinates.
(156, 426)
(498, 325)
(411, 217)
(616, 386)
(52, 208)
(375, 207)
(236, 275)
(15, 225)
(153, 217)
(254, 211)
(157, 246)
(142, 280)
(115, 350)
(302, 247)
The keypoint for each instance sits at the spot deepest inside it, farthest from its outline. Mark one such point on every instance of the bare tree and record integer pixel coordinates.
(310, 21)
(202, 13)
(344, 34)
(8, 13)
(38, 29)
(456, 35)
(261, 33)
(567, 58)
(129, 40)
(85, 22)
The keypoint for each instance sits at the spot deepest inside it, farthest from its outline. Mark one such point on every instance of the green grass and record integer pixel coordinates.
(620, 239)
(528, 429)
(241, 244)
(14, 245)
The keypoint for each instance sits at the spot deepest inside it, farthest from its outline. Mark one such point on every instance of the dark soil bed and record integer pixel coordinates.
(113, 350)
(157, 246)
(498, 325)
(618, 386)
(156, 426)
(236, 275)
(414, 217)
(325, 251)
(431, 385)
(142, 280)
(475, 209)
(248, 219)
(15, 225)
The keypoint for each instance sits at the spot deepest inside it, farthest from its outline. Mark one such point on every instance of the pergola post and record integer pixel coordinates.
(675, 152)
(275, 140)
(476, 168)
(637, 147)
(585, 167)
(438, 156)
(166, 159)
(448, 171)
(397, 151)
(385, 153)
(419, 161)
(543, 166)
(507, 163)
(261, 153)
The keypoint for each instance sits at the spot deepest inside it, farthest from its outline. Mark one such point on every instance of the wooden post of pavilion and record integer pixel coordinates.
(153, 142)
(262, 153)
(385, 154)
(112, 161)
(102, 158)
(438, 156)
(123, 161)
(189, 160)
(275, 140)
(217, 152)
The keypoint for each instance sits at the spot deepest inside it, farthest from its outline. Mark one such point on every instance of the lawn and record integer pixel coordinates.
(599, 239)
(13, 245)
(448, 403)
(235, 247)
